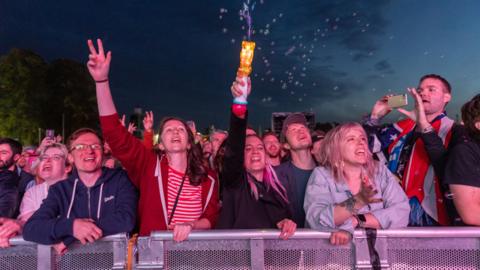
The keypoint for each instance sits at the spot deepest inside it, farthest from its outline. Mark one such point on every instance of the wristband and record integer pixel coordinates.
(102, 81)
(428, 129)
(235, 101)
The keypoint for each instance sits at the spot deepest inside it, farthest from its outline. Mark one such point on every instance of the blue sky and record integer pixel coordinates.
(334, 58)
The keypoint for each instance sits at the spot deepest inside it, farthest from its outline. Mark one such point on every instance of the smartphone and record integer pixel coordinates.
(398, 101)
(50, 133)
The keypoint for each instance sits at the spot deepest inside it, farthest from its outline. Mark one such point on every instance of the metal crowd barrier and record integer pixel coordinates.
(410, 248)
(107, 253)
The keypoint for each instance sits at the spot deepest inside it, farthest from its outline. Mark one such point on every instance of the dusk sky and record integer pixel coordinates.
(335, 58)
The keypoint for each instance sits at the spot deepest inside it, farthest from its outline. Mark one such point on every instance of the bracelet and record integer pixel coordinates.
(428, 129)
(240, 102)
(102, 81)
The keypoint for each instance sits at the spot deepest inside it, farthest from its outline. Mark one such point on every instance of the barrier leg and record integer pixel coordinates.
(257, 254)
(44, 257)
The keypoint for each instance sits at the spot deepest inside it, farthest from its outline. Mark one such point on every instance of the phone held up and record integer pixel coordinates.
(398, 101)
(50, 133)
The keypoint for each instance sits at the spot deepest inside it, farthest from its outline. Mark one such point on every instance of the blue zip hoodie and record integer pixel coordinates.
(111, 202)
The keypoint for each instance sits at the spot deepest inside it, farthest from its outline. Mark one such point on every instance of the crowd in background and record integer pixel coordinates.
(420, 171)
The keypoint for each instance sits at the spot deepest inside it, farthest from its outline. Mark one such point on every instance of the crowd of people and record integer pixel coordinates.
(421, 171)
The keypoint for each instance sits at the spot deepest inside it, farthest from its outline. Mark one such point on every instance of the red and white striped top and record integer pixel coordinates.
(189, 206)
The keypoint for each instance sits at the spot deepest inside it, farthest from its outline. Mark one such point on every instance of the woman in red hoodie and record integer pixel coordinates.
(176, 192)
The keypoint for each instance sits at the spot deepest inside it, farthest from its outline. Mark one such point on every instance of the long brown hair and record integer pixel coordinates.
(196, 172)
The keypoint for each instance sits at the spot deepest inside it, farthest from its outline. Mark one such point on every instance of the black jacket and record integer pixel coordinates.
(9, 194)
(240, 209)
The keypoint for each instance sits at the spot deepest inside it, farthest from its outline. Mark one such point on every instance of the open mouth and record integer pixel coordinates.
(255, 159)
(47, 168)
(89, 159)
(175, 140)
(360, 152)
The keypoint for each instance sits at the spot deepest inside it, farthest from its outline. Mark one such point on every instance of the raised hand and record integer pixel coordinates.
(237, 86)
(45, 142)
(148, 121)
(418, 114)
(131, 128)
(381, 108)
(98, 63)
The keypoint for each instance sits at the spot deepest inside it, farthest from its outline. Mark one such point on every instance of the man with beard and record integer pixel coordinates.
(294, 174)
(415, 148)
(272, 148)
(51, 168)
(13, 180)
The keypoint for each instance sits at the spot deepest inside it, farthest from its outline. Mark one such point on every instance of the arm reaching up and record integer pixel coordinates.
(99, 66)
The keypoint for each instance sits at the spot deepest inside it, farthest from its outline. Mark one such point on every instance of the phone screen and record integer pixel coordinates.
(397, 101)
(50, 133)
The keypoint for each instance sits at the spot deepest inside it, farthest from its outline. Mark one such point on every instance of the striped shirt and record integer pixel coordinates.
(189, 206)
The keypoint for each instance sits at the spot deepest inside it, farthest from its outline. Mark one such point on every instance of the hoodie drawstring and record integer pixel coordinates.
(72, 199)
(99, 201)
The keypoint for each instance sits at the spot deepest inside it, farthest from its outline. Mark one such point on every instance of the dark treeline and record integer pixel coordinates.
(35, 94)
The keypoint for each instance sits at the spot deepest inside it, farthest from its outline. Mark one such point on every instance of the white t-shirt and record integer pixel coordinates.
(32, 200)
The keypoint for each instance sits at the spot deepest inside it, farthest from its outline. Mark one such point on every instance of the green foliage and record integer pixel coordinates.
(34, 94)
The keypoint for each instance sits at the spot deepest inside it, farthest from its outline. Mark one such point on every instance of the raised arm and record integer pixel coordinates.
(125, 147)
(235, 144)
(99, 66)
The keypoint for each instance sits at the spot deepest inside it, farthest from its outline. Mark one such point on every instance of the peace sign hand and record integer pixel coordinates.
(98, 64)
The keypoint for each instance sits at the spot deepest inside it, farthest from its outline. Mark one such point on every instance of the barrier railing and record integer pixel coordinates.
(107, 253)
(410, 248)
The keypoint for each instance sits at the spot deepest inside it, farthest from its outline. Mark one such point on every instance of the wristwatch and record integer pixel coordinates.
(361, 220)
(428, 129)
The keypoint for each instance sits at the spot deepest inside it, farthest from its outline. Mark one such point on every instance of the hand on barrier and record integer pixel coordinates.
(4, 242)
(85, 230)
(287, 228)
(340, 237)
(181, 230)
(8, 229)
(60, 248)
(98, 63)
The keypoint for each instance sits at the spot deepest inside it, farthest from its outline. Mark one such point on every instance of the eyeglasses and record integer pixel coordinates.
(83, 147)
(54, 157)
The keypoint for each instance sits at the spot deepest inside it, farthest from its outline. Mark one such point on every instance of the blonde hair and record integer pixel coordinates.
(331, 155)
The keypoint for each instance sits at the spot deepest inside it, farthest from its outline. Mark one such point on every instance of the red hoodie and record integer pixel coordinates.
(147, 170)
